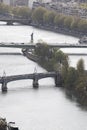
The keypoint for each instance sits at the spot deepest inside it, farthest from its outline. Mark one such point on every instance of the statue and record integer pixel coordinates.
(32, 38)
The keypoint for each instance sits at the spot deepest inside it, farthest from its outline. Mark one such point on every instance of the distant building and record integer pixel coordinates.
(44, 1)
(6, 2)
(38, 1)
(19, 2)
(16, 2)
(1, 1)
(30, 4)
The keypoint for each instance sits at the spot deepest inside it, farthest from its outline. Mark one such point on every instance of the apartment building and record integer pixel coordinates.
(6, 2)
(1, 1)
(16, 2)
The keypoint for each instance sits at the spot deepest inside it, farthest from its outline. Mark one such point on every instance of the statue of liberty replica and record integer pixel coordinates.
(32, 39)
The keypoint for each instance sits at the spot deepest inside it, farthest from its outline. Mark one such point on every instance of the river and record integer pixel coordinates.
(46, 108)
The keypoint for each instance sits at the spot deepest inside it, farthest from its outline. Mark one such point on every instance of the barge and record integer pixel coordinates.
(7, 126)
(83, 40)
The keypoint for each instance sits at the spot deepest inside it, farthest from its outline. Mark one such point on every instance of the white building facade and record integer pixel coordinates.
(6, 2)
(16, 2)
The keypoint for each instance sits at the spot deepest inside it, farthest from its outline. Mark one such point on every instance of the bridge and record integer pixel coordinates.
(33, 45)
(10, 19)
(35, 77)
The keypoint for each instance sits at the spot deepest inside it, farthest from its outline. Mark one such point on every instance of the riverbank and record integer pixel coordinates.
(64, 31)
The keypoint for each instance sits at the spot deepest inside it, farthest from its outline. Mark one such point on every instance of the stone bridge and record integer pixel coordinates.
(10, 19)
(35, 77)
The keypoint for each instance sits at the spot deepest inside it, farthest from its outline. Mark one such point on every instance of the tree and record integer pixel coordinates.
(4, 8)
(74, 23)
(49, 17)
(15, 10)
(22, 12)
(60, 22)
(68, 21)
(71, 78)
(80, 68)
(81, 84)
(37, 15)
(82, 25)
(56, 20)
(42, 49)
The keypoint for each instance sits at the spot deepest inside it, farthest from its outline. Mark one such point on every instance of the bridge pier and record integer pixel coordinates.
(4, 86)
(58, 80)
(35, 81)
(9, 23)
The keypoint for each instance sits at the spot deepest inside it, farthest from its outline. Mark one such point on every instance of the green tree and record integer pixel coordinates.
(4, 8)
(81, 84)
(82, 25)
(60, 22)
(71, 78)
(56, 20)
(22, 12)
(49, 17)
(42, 49)
(80, 68)
(37, 15)
(68, 21)
(15, 10)
(74, 23)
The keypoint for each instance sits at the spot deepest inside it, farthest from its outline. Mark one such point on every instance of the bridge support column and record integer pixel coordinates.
(9, 23)
(4, 86)
(35, 83)
(58, 80)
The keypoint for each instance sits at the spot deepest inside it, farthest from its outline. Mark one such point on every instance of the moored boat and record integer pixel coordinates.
(7, 126)
(12, 126)
(83, 40)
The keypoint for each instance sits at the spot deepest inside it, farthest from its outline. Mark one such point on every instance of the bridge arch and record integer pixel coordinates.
(35, 77)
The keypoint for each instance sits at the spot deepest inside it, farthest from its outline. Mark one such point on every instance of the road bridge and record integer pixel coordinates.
(33, 45)
(10, 19)
(35, 77)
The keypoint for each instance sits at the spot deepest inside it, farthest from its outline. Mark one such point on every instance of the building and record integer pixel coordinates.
(1, 1)
(6, 2)
(30, 4)
(19, 2)
(16, 2)
(44, 1)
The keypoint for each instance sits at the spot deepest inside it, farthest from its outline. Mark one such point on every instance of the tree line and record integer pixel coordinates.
(43, 16)
(74, 80)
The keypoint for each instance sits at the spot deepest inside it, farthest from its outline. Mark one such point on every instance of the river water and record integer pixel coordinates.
(46, 108)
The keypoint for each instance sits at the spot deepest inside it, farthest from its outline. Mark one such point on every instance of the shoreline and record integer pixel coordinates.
(59, 30)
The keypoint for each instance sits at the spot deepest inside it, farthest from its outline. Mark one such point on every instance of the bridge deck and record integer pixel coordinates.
(32, 46)
(27, 76)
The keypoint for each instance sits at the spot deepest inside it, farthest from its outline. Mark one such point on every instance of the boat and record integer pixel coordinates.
(83, 40)
(7, 126)
(12, 126)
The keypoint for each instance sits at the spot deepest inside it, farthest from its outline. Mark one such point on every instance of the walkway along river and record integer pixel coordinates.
(46, 108)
